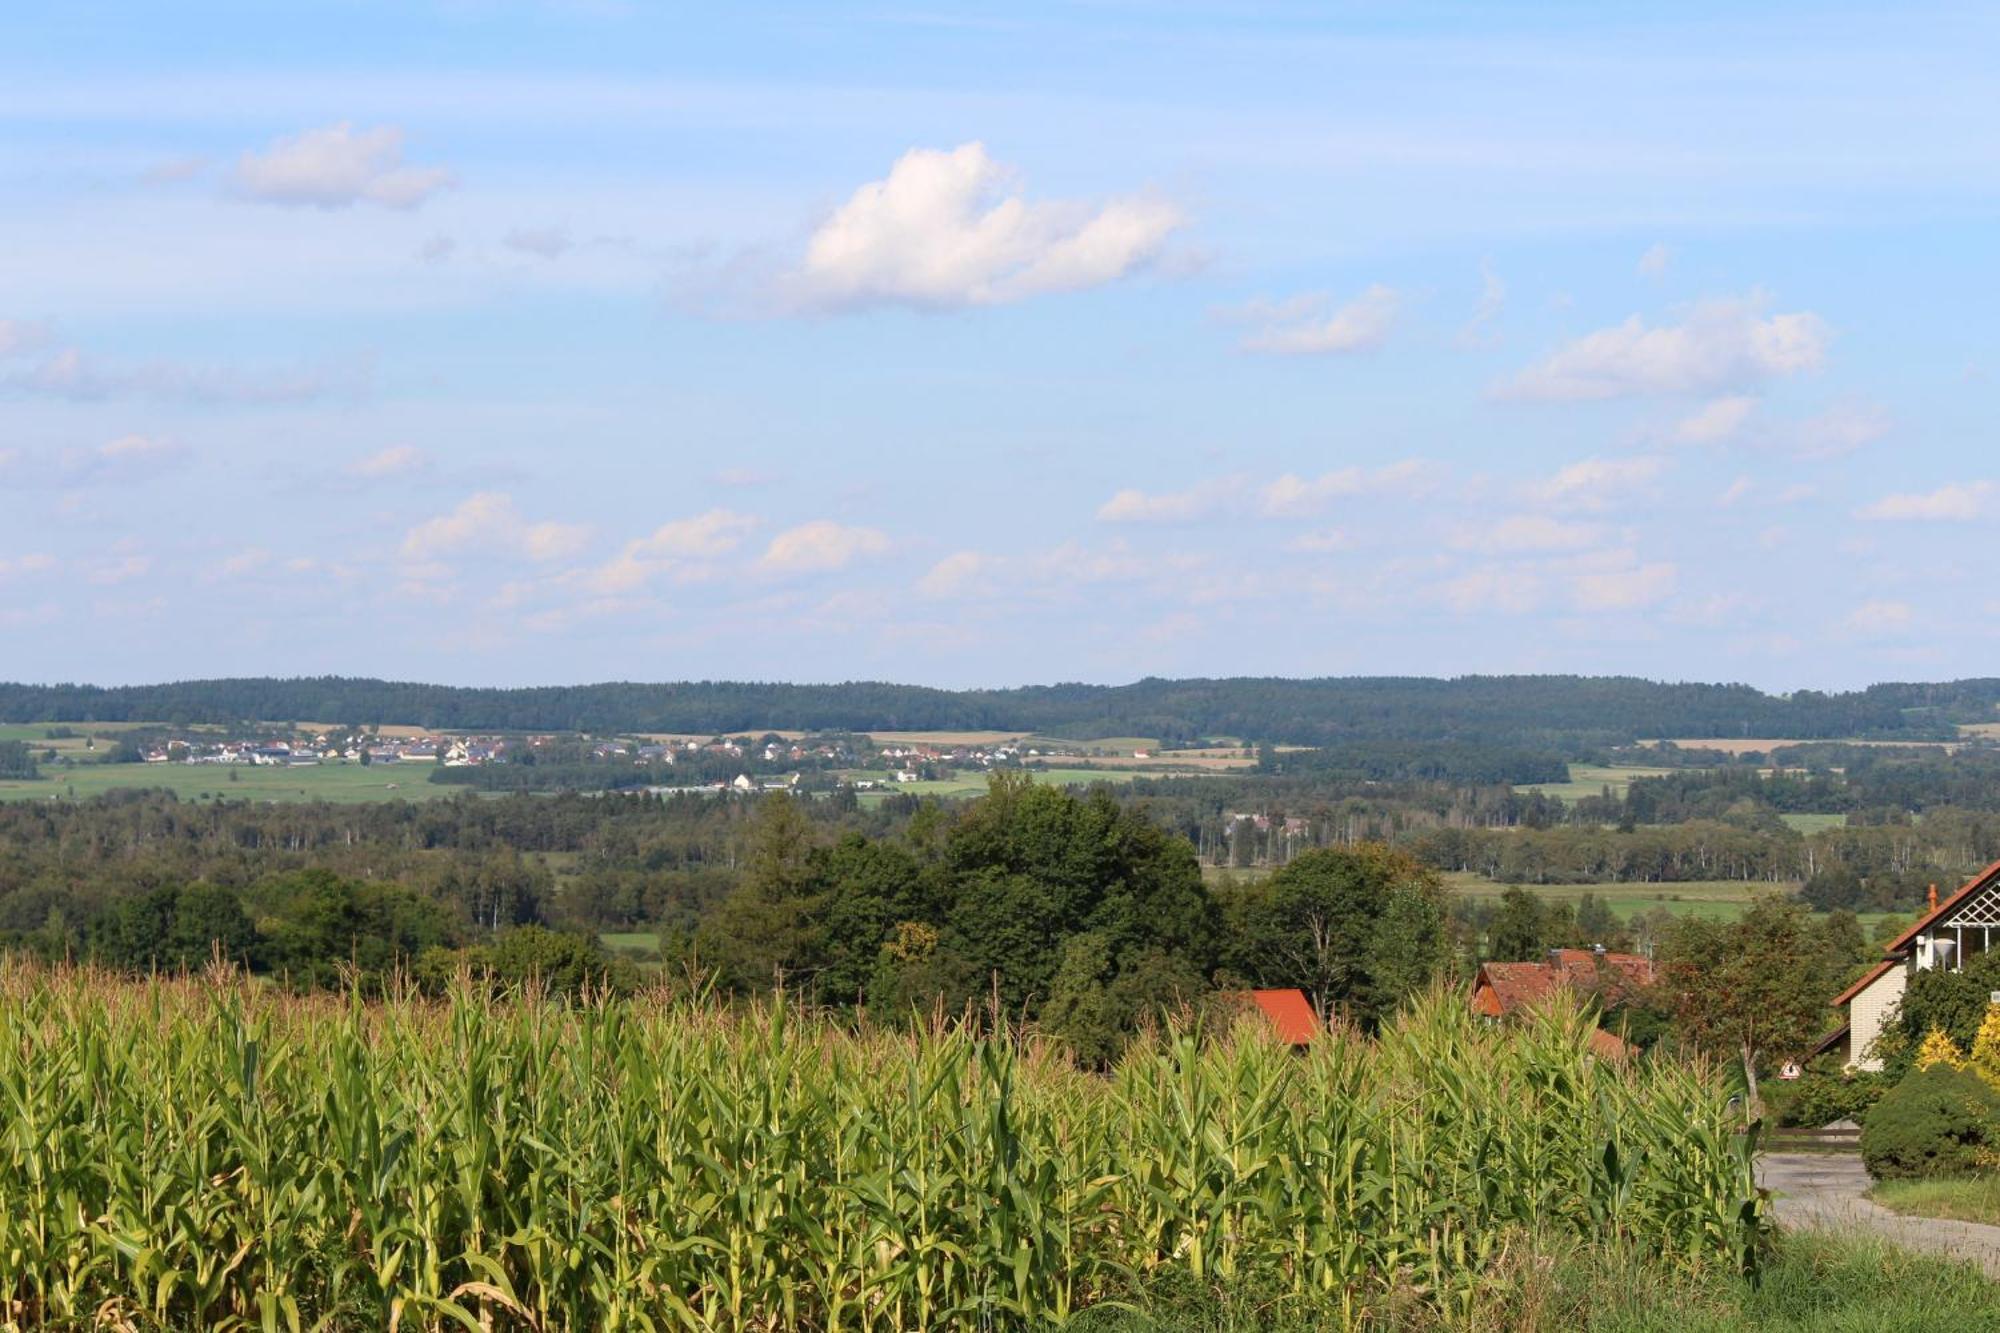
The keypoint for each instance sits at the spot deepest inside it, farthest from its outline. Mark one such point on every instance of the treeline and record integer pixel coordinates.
(1073, 912)
(1565, 714)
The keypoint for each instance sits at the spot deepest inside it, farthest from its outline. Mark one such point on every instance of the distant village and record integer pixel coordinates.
(895, 763)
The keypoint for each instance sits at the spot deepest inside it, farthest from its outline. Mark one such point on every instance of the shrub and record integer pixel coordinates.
(1937, 1122)
(1822, 1098)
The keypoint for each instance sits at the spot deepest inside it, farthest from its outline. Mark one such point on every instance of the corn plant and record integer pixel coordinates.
(203, 1153)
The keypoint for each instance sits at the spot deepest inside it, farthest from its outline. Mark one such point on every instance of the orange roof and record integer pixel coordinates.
(1290, 1012)
(1862, 984)
(1501, 988)
(1973, 885)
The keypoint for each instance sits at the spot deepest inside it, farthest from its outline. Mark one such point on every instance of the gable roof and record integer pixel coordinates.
(1983, 879)
(1290, 1012)
(1502, 988)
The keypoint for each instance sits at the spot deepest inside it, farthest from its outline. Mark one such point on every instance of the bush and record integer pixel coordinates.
(1937, 1122)
(1821, 1098)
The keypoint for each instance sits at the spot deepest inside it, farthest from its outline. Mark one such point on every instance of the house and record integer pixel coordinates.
(1289, 1011)
(1505, 989)
(1945, 936)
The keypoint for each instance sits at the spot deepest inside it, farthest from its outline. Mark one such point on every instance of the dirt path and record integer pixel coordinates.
(1827, 1189)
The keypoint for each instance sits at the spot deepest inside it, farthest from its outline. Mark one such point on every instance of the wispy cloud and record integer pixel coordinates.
(1958, 502)
(338, 166)
(1312, 325)
(1717, 346)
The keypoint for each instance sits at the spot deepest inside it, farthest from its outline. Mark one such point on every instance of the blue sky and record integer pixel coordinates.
(491, 341)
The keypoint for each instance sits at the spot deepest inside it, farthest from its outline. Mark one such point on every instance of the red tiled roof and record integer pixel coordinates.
(1291, 1014)
(1973, 885)
(1502, 988)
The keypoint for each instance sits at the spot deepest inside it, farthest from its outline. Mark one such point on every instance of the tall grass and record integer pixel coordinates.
(197, 1154)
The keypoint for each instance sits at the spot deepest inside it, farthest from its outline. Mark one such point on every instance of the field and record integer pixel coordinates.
(192, 1154)
(1814, 823)
(1592, 779)
(321, 782)
(1719, 899)
(1742, 745)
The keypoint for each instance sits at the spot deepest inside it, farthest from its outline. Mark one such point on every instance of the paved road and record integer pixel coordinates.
(1826, 1190)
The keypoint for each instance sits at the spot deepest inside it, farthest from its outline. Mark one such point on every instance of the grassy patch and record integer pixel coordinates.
(1719, 899)
(320, 782)
(1811, 1282)
(1961, 1198)
(1594, 779)
(1815, 823)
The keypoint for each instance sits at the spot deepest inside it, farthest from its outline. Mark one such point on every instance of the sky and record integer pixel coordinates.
(502, 342)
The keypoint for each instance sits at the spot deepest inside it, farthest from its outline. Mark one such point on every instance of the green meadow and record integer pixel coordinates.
(232, 782)
(1594, 779)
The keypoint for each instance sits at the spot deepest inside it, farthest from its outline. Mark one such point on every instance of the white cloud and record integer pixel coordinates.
(957, 575)
(1625, 590)
(821, 546)
(398, 460)
(338, 167)
(1880, 617)
(1654, 262)
(1595, 483)
(1305, 326)
(1715, 421)
(1836, 432)
(682, 548)
(31, 361)
(127, 459)
(1958, 502)
(1293, 496)
(490, 521)
(1492, 300)
(1530, 532)
(1197, 501)
(1492, 588)
(1739, 490)
(948, 229)
(545, 242)
(33, 563)
(1719, 345)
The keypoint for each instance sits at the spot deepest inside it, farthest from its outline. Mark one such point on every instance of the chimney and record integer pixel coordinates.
(1597, 949)
(1934, 897)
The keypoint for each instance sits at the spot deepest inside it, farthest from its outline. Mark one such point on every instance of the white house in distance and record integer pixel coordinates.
(1949, 932)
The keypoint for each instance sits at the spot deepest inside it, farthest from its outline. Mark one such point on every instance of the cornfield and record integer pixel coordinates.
(203, 1154)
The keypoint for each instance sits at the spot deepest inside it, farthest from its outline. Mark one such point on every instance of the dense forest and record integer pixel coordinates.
(1564, 714)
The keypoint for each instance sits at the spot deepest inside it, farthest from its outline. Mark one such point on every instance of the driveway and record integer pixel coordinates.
(1827, 1189)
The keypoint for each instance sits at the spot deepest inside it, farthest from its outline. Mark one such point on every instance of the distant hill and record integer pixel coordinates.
(1564, 713)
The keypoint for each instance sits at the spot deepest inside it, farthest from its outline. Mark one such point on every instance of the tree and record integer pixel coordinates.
(1755, 987)
(1356, 928)
(1517, 931)
(767, 929)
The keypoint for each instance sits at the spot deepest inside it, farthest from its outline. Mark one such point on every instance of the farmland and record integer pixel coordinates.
(319, 782)
(1595, 780)
(485, 1163)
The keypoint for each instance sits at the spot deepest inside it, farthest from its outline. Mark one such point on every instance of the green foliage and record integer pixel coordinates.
(181, 1156)
(1940, 1000)
(17, 760)
(1939, 1121)
(1757, 987)
(1358, 929)
(1820, 1097)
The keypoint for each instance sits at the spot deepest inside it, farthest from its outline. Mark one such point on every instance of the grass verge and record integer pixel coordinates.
(1960, 1198)
(1811, 1283)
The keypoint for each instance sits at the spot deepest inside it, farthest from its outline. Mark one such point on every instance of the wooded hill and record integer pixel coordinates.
(1563, 713)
